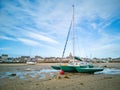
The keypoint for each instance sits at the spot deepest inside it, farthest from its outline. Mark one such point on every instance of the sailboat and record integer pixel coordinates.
(76, 64)
(31, 62)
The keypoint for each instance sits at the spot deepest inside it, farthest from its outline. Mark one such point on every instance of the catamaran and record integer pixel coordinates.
(76, 64)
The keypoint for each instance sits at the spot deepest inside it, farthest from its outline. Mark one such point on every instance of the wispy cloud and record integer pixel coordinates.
(7, 38)
(44, 22)
(28, 42)
(41, 37)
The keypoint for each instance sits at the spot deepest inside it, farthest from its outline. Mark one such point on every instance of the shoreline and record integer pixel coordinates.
(109, 65)
(19, 64)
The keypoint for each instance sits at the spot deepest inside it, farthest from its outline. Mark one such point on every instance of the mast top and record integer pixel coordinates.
(73, 5)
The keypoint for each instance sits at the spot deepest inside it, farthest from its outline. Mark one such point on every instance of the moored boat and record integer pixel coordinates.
(68, 68)
(87, 70)
(76, 64)
(56, 67)
(31, 63)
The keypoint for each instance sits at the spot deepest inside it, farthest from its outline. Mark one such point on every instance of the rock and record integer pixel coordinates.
(66, 77)
(107, 77)
(49, 79)
(13, 74)
(37, 84)
(48, 88)
(105, 66)
(81, 84)
(58, 77)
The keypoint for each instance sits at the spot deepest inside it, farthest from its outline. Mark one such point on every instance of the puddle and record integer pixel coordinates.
(41, 74)
(48, 70)
(109, 71)
(44, 73)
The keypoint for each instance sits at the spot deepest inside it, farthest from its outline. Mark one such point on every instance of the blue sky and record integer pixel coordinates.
(39, 27)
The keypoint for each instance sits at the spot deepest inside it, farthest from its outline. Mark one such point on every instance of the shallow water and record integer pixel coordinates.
(109, 71)
(41, 74)
(25, 72)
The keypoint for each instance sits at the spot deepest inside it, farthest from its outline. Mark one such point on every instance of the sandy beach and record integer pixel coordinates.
(68, 81)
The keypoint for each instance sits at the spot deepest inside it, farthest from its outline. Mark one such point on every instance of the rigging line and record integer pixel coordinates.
(73, 35)
(78, 46)
(67, 40)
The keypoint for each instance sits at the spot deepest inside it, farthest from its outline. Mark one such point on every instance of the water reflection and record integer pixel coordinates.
(109, 71)
(43, 73)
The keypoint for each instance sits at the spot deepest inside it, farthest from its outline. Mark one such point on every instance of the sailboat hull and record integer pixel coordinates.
(56, 67)
(68, 68)
(88, 70)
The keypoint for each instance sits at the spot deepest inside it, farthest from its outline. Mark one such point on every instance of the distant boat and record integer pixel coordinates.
(76, 64)
(31, 62)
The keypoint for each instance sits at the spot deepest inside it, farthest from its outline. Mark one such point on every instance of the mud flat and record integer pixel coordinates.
(53, 81)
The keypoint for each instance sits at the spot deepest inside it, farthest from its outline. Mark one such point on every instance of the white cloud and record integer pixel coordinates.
(103, 9)
(41, 37)
(7, 38)
(29, 42)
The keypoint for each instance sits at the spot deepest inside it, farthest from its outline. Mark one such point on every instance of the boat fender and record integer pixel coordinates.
(61, 72)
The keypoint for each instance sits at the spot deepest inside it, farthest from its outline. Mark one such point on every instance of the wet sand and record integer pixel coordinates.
(68, 81)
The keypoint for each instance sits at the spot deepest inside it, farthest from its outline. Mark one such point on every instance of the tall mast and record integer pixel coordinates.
(73, 34)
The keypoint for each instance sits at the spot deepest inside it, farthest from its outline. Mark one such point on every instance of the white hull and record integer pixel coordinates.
(30, 63)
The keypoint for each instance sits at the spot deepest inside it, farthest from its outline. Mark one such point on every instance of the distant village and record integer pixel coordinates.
(4, 58)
